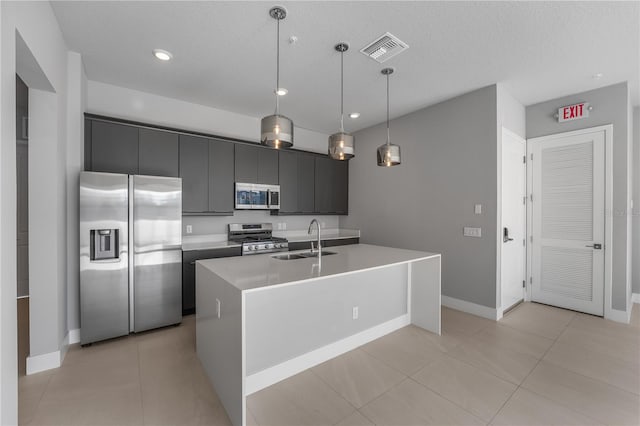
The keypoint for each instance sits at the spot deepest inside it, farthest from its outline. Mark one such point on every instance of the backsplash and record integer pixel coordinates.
(206, 225)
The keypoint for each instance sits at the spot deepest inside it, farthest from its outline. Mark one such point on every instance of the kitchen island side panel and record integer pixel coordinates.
(219, 340)
(285, 322)
(425, 279)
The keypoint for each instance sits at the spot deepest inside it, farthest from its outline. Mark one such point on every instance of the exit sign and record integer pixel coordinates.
(573, 112)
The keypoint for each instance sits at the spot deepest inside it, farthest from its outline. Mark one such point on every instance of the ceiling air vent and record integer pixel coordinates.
(384, 47)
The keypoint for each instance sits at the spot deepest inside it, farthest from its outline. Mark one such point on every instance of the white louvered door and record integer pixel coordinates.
(568, 222)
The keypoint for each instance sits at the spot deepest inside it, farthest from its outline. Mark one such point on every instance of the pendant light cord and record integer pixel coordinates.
(388, 138)
(342, 91)
(277, 67)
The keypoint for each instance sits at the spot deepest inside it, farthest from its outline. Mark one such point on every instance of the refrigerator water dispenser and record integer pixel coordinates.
(104, 244)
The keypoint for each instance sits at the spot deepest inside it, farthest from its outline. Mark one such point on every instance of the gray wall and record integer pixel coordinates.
(449, 162)
(636, 200)
(609, 107)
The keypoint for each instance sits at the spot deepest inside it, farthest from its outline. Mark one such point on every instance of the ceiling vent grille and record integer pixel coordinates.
(384, 47)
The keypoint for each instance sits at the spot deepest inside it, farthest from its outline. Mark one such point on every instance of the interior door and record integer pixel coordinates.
(514, 214)
(568, 222)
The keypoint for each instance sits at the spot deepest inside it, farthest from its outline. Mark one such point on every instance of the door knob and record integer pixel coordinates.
(505, 235)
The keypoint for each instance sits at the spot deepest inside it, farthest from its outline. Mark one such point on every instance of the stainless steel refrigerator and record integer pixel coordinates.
(130, 254)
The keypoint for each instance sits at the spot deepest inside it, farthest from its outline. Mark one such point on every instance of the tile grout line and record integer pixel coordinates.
(534, 367)
(140, 382)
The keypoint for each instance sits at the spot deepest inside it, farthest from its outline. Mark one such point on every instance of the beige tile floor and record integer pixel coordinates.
(537, 366)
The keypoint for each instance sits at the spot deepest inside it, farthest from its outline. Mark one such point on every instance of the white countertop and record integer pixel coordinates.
(205, 242)
(260, 271)
(217, 241)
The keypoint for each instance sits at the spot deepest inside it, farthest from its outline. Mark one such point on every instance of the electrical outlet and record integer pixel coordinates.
(472, 232)
(355, 313)
(189, 229)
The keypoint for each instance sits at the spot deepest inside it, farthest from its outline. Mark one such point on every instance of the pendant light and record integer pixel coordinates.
(388, 154)
(276, 130)
(341, 143)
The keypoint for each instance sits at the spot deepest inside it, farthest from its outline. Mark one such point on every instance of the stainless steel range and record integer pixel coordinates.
(256, 238)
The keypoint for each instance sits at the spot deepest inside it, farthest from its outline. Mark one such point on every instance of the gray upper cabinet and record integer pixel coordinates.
(246, 162)
(221, 176)
(331, 186)
(268, 166)
(255, 164)
(288, 171)
(209, 167)
(323, 178)
(158, 153)
(340, 187)
(194, 170)
(114, 148)
(306, 183)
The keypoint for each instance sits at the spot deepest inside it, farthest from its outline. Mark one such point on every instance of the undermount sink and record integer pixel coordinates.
(288, 256)
(303, 255)
(315, 253)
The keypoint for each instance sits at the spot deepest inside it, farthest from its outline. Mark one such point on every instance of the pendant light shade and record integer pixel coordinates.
(341, 143)
(388, 154)
(276, 130)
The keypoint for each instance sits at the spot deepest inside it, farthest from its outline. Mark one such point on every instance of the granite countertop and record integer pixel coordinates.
(219, 241)
(261, 271)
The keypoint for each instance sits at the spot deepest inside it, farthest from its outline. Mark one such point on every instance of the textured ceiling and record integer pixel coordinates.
(224, 52)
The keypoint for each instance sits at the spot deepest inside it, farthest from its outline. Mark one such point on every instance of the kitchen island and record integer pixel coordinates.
(260, 319)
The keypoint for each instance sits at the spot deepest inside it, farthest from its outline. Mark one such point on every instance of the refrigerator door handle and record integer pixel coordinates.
(132, 243)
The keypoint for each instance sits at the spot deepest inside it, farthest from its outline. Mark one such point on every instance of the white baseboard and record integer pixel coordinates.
(635, 297)
(74, 336)
(471, 308)
(272, 375)
(618, 316)
(38, 363)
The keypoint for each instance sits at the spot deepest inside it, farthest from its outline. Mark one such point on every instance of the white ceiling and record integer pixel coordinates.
(224, 52)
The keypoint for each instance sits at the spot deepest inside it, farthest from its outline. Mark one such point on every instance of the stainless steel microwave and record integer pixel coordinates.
(258, 197)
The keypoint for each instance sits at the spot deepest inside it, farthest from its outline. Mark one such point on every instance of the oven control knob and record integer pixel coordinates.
(276, 245)
(249, 247)
(269, 246)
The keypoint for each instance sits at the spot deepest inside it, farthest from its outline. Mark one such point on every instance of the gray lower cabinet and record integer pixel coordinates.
(158, 153)
(189, 259)
(114, 148)
(221, 177)
(194, 169)
(304, 245)
(256, 164)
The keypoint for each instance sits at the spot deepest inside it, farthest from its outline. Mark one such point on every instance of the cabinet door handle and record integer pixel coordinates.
(595, 246)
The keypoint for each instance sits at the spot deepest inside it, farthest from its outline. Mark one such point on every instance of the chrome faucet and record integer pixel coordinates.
(309, 232)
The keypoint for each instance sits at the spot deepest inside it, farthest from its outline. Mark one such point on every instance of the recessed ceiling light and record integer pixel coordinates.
(354, 115)
(281, 91)
(163, 55)
(598, 76)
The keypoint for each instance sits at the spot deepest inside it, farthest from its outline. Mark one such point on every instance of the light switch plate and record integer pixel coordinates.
(478, 209)
(472, 232)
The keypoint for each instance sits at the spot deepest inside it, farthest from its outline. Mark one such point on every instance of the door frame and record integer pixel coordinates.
(499, 307)
(608, 206)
